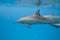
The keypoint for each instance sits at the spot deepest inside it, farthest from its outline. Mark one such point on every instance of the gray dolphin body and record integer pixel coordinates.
(38, 19)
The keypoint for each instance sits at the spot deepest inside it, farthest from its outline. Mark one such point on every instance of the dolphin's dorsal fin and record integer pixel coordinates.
(37, 14)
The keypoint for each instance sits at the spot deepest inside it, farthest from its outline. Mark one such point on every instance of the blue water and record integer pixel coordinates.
(9, 13)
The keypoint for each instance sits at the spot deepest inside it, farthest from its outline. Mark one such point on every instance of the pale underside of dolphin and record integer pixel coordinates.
(38, 19)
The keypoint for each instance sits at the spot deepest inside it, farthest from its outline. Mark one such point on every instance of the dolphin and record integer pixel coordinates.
(38, 19)
(37, 3)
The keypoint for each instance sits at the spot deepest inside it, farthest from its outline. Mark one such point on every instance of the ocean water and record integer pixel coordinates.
(11, 10)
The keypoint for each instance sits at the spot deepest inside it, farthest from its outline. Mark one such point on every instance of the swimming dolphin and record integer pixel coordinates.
(38, 19)
(32, 3)
(37, 3)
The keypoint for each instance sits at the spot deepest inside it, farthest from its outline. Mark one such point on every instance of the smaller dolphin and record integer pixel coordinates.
(38, 19)
(37, 3)
(32, 3)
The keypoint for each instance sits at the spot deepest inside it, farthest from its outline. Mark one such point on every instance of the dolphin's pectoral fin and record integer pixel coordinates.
(27, 25)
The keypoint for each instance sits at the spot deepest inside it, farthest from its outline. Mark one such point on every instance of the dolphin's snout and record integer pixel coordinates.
(19, 20)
